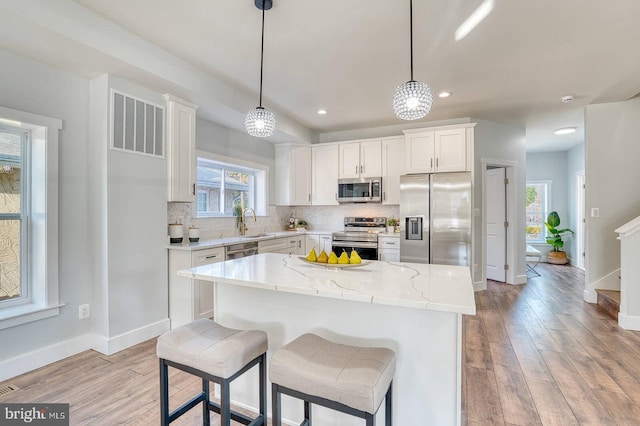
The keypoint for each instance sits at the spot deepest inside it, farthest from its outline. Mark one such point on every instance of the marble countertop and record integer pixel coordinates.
(412, 285)
(220, 242)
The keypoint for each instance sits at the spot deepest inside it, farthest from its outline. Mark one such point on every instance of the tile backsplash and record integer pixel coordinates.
(320, 218)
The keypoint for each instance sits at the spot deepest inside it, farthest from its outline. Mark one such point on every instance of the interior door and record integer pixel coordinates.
(496, 220)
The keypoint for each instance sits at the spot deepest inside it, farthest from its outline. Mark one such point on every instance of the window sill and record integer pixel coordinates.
(18, 315)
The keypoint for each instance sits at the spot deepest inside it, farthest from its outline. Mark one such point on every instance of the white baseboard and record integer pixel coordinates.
(521, 279)
(480, 285)
(29, 361)
(590, 296)
(109, 346)
(629, 322)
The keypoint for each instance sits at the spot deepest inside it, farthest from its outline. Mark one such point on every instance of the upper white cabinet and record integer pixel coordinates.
(324, 175)
(360, 159)
(181, 149)
(439, 149)
(393, 159)
(293, 175)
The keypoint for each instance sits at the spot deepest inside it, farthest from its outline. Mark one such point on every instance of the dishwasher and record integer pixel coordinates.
(236, 251)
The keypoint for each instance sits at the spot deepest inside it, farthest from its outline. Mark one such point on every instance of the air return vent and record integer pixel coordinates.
(137, 125)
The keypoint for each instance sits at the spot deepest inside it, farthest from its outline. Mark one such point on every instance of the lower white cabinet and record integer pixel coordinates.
(319, 242)
(287, 245)
(189, 299)
(389, 248)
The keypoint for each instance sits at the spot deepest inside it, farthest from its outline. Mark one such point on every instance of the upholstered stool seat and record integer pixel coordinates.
(216, 354)
(350, 379)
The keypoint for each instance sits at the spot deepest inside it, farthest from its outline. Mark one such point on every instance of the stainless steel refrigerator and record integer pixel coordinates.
(435, 218)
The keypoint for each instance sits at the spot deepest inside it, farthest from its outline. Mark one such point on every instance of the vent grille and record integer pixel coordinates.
(7, 389)
(137, 125)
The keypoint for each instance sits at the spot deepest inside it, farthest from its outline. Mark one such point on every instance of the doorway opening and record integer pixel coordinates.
(496, 219)
(580, 219)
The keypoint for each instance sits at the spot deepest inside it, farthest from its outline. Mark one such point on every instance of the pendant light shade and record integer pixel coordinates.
(261, 122)
(412, 100)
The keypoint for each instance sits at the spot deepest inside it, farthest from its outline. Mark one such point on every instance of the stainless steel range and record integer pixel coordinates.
(361, 234)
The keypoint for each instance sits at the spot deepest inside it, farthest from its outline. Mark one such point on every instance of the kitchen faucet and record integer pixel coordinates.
(243, 218)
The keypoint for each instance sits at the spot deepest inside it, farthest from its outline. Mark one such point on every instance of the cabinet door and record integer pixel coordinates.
(302, 248)
(393, 159)
(389, 255)
(371, 159)
(324, 175)
(450, 150)
(293, 175)
(325, 243)
(181, 149)
(203, 290)
(349, 158)
(312, 242)
(419, 156)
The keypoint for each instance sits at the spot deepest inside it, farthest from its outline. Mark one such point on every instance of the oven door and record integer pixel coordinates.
(367, 251)
(360, 190)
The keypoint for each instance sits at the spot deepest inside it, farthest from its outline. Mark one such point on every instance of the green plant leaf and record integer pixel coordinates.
(553, 219)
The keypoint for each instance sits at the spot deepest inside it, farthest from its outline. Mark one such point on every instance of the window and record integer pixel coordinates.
(13, 214)
(28, 217)
(225, 186)
(537, 202)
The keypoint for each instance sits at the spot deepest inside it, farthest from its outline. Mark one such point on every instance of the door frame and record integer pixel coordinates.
(511, 238)
(581, 181)
(503, 191)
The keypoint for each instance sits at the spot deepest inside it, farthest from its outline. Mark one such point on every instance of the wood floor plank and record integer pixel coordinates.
(583, 402)
(517, 405)
(623, 377)
(483, 402)
(528, 356)
(552, 407)
(621, 409)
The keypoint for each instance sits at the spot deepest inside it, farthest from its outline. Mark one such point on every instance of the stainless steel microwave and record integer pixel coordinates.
(360, 190)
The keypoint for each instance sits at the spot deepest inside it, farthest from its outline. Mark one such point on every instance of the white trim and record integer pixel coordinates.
(480, 285)
(430, 129)
(115, 344)
(29, 361)
(230, 160)
(629, 228)
(22, 314)
(629, 322)
(520, 279)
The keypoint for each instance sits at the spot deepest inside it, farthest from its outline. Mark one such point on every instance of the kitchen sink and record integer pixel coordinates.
(256, 236)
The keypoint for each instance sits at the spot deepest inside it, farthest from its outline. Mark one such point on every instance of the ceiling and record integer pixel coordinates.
(348, 56)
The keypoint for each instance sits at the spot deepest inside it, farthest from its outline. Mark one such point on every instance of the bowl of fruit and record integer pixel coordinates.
(333, 261)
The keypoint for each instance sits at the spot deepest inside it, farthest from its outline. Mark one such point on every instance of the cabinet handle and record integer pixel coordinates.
(193, 189)
(213, 256)
(356, 169)
(336, 194)
(431, 166)
(384, 196)
(360, 169)
(309, 197)
(300, 244)
(436, 163)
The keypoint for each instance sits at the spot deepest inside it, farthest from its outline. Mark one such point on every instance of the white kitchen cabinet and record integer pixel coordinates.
(189, 299)
(287, 245)
(438, 149)
(393, 166)
(312, 241)
(325, 243)
(360, 159)
(181, 149)
(324, 175)
(293, 175)
(389, 248)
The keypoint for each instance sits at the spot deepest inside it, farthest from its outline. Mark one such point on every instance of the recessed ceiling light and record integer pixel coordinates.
(322, 111)
(567, 99)
(445, 94)
(565, 131)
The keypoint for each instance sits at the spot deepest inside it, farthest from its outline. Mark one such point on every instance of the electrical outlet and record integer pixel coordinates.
(84, 311)
(595, 212)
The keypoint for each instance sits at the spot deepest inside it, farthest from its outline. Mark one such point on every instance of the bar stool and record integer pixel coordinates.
(216, 354)
(349, 379)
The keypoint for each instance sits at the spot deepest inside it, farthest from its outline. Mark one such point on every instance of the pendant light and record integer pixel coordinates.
(261, 122)
(412, 100)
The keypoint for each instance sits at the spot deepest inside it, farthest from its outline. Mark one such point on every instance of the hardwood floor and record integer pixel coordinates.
(538, 354)
(533, 354)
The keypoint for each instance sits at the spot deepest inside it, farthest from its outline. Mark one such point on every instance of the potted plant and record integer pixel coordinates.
(556, 256)
(301, 224)
(392, 224)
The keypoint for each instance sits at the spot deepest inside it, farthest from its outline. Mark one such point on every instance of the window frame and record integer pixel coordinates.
(260, 179)
(41, 260)
(545, 212)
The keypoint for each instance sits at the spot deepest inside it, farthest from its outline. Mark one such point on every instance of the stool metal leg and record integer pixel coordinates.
(262, 367)
(370, 419)
(206, 421)
(275, 401)
(164, 393)
(225, 404)
(388, 413)
(307, 412)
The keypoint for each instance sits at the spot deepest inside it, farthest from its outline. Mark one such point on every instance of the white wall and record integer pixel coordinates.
(612, 149)
(33, 87)
(501, 144)
(575, 166)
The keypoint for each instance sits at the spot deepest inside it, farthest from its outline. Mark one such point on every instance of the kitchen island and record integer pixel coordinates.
(414, 309)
